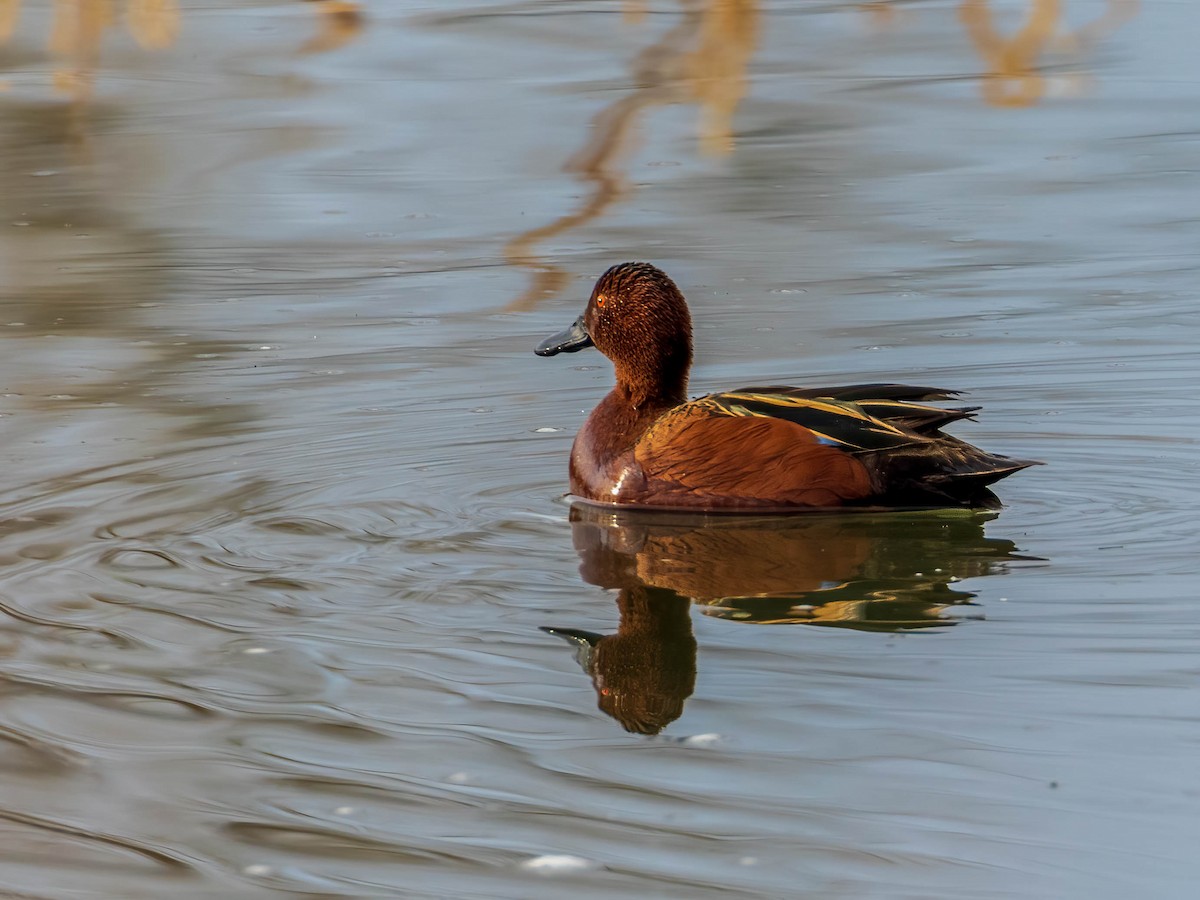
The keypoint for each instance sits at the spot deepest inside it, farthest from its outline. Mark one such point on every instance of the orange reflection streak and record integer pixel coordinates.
(701, 60)
(154, 24)
(339, 21)
(716, 70)
(75, 35)
(10, 13)
(1012, 78)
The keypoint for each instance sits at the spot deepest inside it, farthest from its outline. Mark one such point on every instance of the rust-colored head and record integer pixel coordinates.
(638, 319)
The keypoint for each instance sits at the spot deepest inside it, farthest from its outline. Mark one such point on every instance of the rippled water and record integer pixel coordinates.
(282, 527)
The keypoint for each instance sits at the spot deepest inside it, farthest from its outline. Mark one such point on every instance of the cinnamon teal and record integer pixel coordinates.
(755, 448)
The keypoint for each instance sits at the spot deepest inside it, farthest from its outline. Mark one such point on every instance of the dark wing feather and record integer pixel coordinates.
(918, 417)
(858, 392)
(890, 403)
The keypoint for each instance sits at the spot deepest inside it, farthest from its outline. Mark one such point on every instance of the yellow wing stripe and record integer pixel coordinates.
(847, 409)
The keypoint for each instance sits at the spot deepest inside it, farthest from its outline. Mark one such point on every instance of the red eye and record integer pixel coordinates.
(600, 300)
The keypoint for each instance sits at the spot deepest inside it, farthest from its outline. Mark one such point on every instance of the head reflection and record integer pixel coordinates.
(644, 672)
(885, 572)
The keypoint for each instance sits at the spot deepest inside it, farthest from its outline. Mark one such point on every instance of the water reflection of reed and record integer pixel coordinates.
(701, 60)
(79, 27)
(1013, 75)
(338, 23)
(892, 572)
(78, 264)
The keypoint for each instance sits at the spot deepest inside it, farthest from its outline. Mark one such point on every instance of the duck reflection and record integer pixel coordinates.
(644, 672)
(885, 572)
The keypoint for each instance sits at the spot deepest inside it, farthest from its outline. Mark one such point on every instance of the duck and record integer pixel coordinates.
(759, 448)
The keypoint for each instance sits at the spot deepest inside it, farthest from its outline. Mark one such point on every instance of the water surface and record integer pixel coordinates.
(282, 518)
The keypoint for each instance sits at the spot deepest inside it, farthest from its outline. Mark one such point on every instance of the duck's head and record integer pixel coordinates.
(638, 319)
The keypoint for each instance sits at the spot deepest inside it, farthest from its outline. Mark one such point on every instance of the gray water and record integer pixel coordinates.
(282, 513)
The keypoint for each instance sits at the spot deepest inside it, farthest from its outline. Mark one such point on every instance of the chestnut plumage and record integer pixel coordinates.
(756, 448)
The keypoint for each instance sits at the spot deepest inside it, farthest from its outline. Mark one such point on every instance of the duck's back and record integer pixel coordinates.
(779, 447)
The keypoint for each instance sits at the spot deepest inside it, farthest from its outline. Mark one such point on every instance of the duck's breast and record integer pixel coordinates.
(603, 465)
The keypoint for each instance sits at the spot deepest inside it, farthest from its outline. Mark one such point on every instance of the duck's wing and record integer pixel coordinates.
(899, 443)
(846, 424)
(895, 404)
(696, 454)
(855, 392)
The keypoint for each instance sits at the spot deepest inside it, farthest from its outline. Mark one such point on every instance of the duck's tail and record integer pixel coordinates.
(948, 471)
